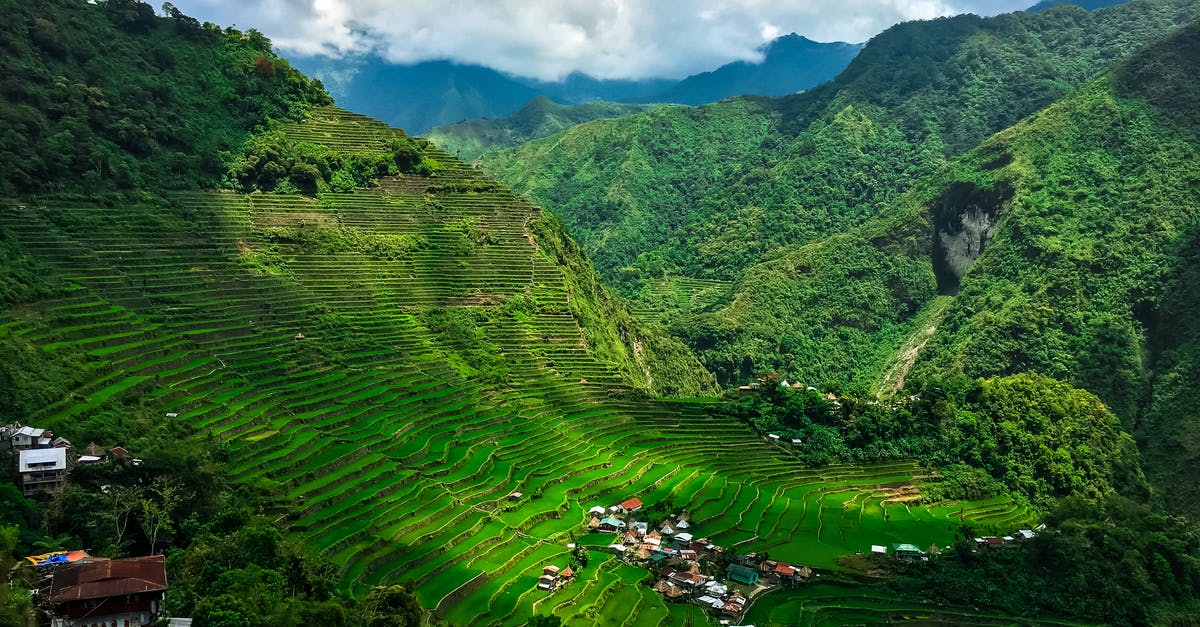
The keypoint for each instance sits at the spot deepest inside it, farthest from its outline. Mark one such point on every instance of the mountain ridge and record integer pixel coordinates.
(421, 96)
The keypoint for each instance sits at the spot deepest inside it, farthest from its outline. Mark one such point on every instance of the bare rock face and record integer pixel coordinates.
(964, 219)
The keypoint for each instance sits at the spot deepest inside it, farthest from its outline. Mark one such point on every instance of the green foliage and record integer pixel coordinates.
(392, 606)
(730, 190)
(273, 162)
(643, 354)
(107, 96)
(1114, 561)
(1025, 434)
(540, 117)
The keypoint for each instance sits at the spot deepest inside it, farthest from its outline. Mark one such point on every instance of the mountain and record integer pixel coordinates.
(706, 193)
(1090, 5)
(539, 117)
(421, 96)
(790, 64)
(1063, 245)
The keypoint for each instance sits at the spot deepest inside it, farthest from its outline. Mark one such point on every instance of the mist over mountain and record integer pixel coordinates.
(790, 64)
(421, 96)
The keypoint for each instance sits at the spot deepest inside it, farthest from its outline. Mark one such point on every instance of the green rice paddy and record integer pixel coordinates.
(325, 374)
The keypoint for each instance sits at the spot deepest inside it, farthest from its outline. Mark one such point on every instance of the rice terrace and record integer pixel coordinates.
(346, 379)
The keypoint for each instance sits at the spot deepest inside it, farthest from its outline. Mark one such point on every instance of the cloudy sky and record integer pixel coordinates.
(550, 38)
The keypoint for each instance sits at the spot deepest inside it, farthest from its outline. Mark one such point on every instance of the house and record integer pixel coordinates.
(597, 511)
(878, 549)
(545, 582)
(610, 525)
(567, 573)
(741, 574)
(989, 542)
(906, 551)
(768, 566)
(550, 570)
(784, 569)
(683, 537)
(109, 592)
(1025, 534)
(682, 523)
(42, 470)
(628, 506)
(667, 529)
(688, 579)
(688, 554)
(712, 602)
(26, 438)
(515, 496)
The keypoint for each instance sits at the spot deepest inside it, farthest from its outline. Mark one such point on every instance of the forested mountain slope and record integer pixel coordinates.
(707, 192)
(540, 117)
(109, 97)
(1062, 246)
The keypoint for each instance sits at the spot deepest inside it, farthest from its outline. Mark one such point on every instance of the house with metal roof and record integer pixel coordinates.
(109, 592)
(742, 574)
(42, 470)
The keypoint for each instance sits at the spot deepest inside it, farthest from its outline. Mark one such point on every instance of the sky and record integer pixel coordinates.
(548, 39)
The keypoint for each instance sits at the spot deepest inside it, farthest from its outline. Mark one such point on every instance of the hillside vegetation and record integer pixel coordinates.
(109, 97)
(708, 192)
(540, 117)
(1060, 246)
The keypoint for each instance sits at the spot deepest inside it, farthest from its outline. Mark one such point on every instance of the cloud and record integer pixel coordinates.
(550, 38)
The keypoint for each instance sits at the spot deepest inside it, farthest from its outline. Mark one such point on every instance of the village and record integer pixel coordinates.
(694, 570)
(72, 587)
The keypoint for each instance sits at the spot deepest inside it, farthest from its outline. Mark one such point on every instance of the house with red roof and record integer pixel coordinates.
(109, 592)
(631, 505)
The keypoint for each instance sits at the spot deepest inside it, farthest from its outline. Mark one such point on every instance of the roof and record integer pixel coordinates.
(785, 569)
(742, 574)
(550, 569)
(94, 450)
(30, 431)
(55, 456)
(567, 572)
(878, 548)
(107, 578)
(612, 521)
(632, 503)
(906, 547)
(119, 451)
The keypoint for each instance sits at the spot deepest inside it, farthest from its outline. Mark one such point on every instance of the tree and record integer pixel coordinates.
(123, 502)
(158, 508)
(392, 606)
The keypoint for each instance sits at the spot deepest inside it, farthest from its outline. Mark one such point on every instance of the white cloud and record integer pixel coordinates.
(550, 38)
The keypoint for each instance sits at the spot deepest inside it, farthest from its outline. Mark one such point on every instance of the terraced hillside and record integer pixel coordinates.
(393, 363)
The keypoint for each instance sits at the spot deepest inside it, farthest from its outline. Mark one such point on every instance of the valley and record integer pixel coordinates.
(913, 346)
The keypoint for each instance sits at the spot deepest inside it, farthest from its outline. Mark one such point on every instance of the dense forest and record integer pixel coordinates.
(117, 103)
